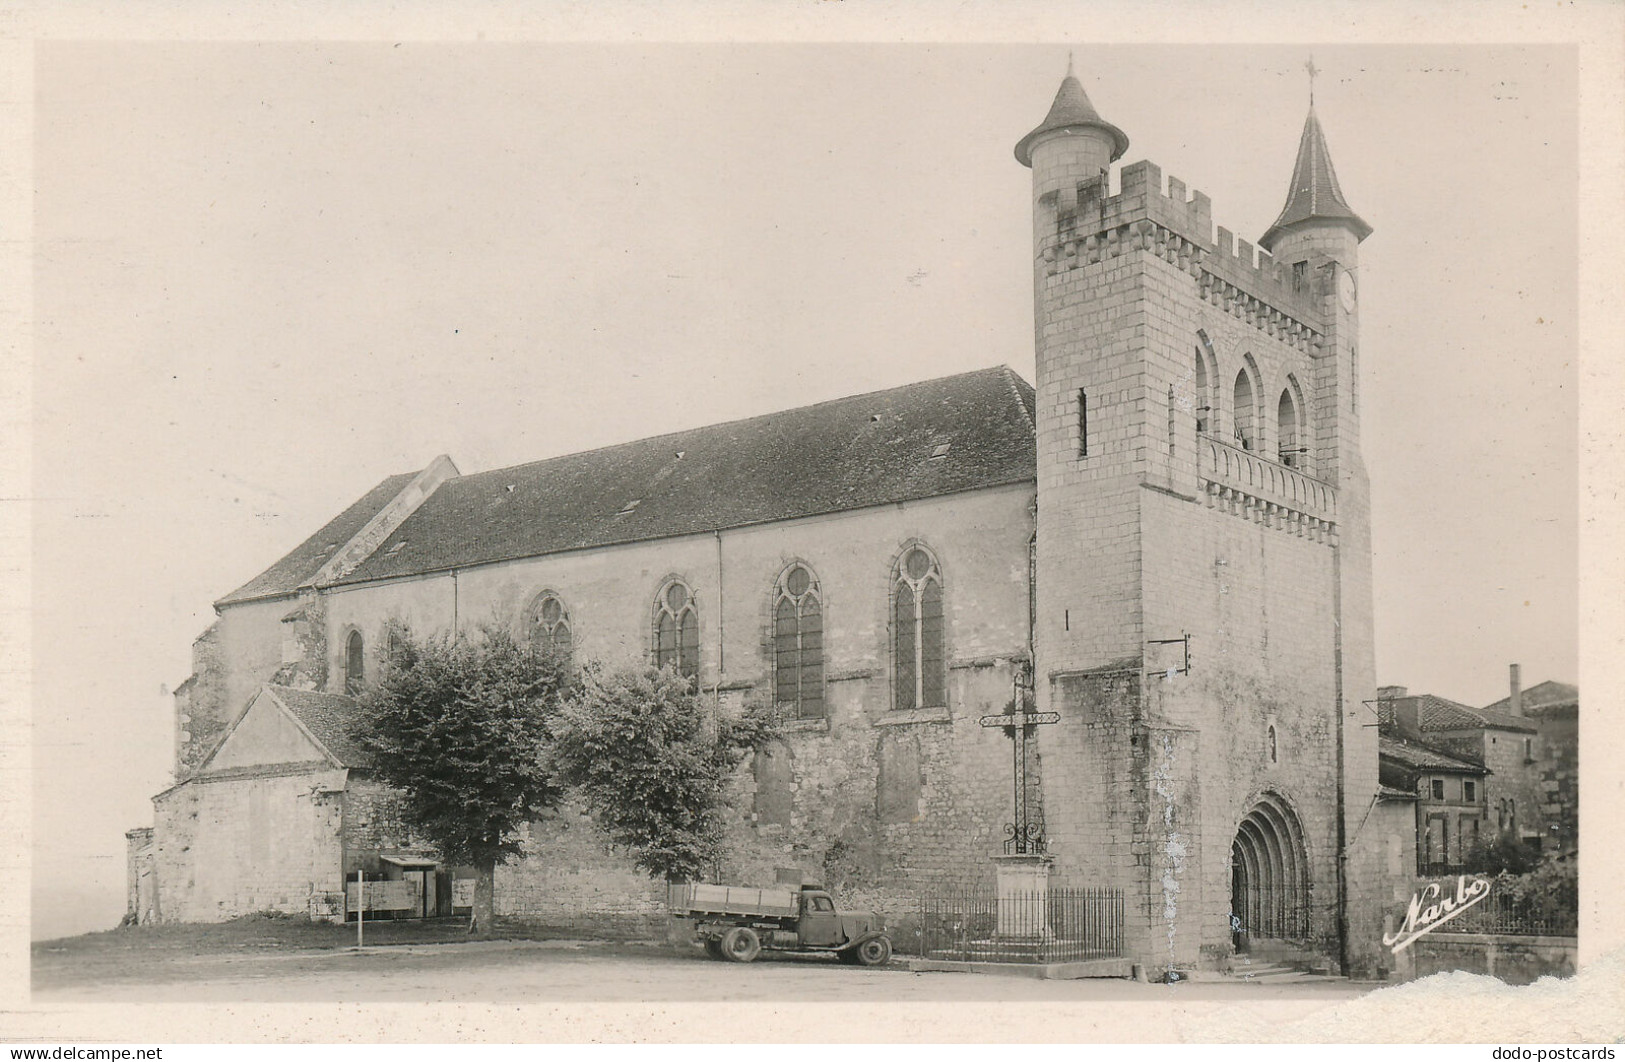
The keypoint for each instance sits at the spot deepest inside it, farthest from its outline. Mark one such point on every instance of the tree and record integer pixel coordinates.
(1503, 854)
(460, 727)
(653, 759)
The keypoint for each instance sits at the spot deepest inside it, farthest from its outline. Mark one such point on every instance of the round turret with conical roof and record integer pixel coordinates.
(1314, 198)
(1073, 116)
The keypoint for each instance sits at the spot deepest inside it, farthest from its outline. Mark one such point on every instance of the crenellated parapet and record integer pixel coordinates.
(1148, 215)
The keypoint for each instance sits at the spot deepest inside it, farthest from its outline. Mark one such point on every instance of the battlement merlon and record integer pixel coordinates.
(1143, 196)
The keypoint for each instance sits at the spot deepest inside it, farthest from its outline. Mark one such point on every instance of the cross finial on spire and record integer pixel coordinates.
(1068, 64)
(1313, 70)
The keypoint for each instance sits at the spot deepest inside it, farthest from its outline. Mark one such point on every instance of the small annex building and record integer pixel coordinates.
(277, 815)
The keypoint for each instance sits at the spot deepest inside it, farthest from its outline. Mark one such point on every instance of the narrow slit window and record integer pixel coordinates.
(1171, 428)
(1083, 423)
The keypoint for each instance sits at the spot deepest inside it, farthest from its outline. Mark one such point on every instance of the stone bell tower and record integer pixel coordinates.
(1203, 606)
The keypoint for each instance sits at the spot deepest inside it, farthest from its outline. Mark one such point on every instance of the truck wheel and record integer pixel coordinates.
(740, 944)
(875, 951)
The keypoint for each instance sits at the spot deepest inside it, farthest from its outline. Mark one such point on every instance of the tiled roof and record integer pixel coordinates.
(944, 436)
(1388, 792)
(1314, 192)
(328, 716)
(295, 569)
(1538, 699)
(1437, 713)
(1071, 108)
(1418, 757)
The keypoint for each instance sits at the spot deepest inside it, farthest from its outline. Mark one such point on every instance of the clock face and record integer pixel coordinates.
(1345, 289)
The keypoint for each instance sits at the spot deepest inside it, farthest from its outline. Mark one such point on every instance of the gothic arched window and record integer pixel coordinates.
(1286, 430)
(1206, 377)
(547, 625)
(1242, 411)
(677, 629)
(798, 644)
(354, 663)
(919, 642)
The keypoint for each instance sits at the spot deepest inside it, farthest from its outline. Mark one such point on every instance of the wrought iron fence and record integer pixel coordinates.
(1060, 925)
(1500, 913)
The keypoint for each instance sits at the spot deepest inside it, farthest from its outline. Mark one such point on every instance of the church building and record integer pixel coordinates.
(1164, 537)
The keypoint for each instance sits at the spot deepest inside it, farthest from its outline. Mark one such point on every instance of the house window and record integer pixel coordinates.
(677, 630)
(1468, 791)
(547, 625)
(919, 644)
(798, 644)
(1529, 750)
(354, 663)
(1438, 789)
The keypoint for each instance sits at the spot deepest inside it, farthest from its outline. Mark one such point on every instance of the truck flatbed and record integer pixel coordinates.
(701, 899)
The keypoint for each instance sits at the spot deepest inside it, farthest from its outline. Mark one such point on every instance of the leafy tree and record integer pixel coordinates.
(459, 725)
(1548, 894)
(1503, 854)
(654, 759)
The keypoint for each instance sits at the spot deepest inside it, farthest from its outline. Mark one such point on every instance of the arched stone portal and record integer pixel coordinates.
(1269, 876)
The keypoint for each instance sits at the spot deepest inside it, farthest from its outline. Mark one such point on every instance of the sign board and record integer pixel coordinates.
(385, 896)
(462, 892)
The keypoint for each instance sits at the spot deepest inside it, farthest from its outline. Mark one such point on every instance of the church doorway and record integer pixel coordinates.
(1269, 876)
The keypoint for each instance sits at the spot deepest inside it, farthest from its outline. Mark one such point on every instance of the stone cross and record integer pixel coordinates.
(1019, 724)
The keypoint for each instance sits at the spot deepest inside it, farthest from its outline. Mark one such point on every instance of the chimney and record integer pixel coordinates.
(1516, 703)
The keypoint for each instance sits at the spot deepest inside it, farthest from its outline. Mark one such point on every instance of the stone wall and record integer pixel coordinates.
(141, 886)
(1559, 752)
(1517, 960)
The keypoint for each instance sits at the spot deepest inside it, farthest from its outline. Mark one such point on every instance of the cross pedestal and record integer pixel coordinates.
(1022, 883)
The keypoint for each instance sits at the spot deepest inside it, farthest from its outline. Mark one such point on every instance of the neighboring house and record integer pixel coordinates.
(1450, 798)
(1554, 710)
(1500, 742)
(881, 571)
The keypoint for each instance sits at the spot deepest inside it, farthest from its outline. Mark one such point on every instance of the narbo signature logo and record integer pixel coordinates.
(1421, 920)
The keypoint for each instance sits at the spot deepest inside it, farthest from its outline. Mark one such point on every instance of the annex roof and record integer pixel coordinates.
(1419, 757)
(329, 717)
(957, 433)
(298, 567)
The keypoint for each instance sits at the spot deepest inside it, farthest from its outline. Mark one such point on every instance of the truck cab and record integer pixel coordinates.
(820, 923)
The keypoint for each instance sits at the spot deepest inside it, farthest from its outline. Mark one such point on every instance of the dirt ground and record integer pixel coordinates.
(270, 961)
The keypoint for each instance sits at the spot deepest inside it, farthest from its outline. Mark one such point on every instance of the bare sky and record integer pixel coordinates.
(268, 275)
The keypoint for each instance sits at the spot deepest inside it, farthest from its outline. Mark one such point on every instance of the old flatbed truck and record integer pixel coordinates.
(737, 923)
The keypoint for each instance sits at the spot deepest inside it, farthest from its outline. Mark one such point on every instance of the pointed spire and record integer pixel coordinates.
(1071, 110)
(1314, 194)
